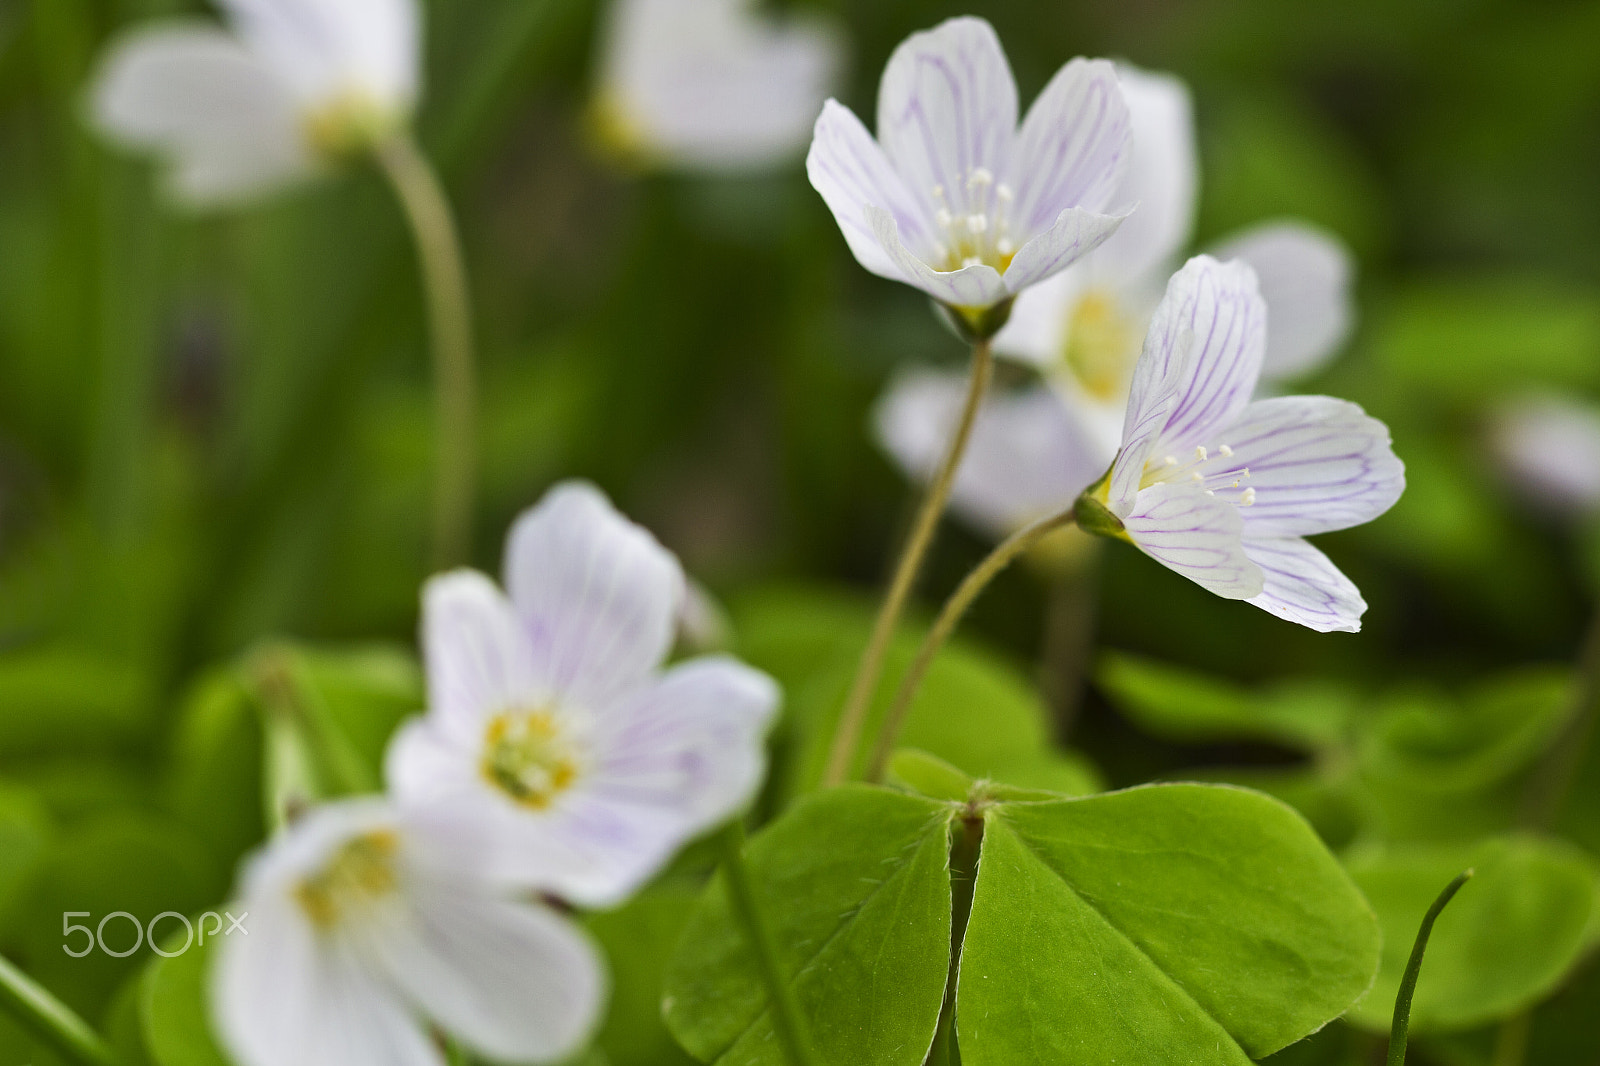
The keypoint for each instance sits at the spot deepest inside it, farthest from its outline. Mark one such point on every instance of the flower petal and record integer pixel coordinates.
(190, 92)
(597, 595)
(1316, 464)
(1162, 179)
(1073, 235)
(332, 49)
(977, 286)
(693, 744)
(947, 105)
(514, 981)
(1196, 535)
(1036, 331)
(1198, 368)
(851, 172)
(1073, 148)
(1302, 586)
(1305, 277)
(477, 655)
(710, 85)
(1549, 449)
(1027, 457)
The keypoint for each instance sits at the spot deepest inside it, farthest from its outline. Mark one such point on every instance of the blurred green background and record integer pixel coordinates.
(217, 430)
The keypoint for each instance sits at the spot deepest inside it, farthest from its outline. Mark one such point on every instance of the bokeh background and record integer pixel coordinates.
(217, 431)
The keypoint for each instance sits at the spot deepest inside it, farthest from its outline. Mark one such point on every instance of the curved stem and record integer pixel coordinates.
(1555, 774)
(945, 624)
(870, 669)
(444, 278)
(788, 1022)
(1401, 1025)
(47, 1018)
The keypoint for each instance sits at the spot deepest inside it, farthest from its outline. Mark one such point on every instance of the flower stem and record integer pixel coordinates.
(870, 669)
(943, 626)
(787, 1020)
(1553, 778)
(1070, 614)
(1401, 1025)
(47, 1018)
(444, 278)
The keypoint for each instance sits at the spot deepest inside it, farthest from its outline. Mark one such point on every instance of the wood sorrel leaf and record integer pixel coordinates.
(853, 884)
(1496, 949)
(1193, 923)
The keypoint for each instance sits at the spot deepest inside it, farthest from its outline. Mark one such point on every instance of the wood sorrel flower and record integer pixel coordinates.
(297, 84)
(1548, 448)
(1222, 489)
(363, 929)
(552, 733)
(1031, 453)
(711, 85)
(953, 197)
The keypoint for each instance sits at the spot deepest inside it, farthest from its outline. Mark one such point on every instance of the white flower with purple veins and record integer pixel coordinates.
(1548, 447)
(553, 734)
(1081, 330)
(364, 932)
(953, 197)
(712, 85)
(295, 85)
(1223, 489)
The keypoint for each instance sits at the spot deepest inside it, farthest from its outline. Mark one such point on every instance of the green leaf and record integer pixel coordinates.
(1193, 923)
(638, 939)
(1435, 744)
(25, 836)
(60, 698)
(1189, 707)
(214, 781)
(172, 1009)
(853, 882)
(1504, 943)
(974, 710)
(929, 775)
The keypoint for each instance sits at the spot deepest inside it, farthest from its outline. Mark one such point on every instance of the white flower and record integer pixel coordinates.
(1083, 327)
(953, 197)
(1548, 446)
(361, 931)
(297, 83)
(1223, 489)
(710, 84)
(552, 733)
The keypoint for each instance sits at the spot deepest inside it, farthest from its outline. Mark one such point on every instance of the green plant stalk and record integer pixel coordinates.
(1511, 1039)
(1070, 616)
(1401, 1025)
(52, 1021)
(865, 684)
(1552, 779)
(788, 1022)
(945, 625)
(444, 281)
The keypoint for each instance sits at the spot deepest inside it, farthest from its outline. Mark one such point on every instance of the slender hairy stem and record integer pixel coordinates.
(787, 1021)
(1553, 778)
(949, 617)
(1408, 983)
(868, 671)
(444, 278)
(47, 1018)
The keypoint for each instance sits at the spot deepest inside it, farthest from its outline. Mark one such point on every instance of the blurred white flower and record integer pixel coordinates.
(711, 85)
(552, 734)
(1082, 330)
(1222, 489)
(1548, 447)
(953, 197)
(361, 932)
(294, 85)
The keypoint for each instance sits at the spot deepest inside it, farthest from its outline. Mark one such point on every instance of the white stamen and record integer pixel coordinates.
(942, 218)
(1199, 478)
(980, 177)
(1200, 452)
(1171, 460)
(971, 261)
(977, 223)
(1003, 193)
(1225, 451)
(1004, 246)
(1247, 498)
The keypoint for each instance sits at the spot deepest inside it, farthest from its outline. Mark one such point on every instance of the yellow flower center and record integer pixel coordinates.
(977, 232)
(360, 874)
(347, 126)
(526, 756)
(1102, 346)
